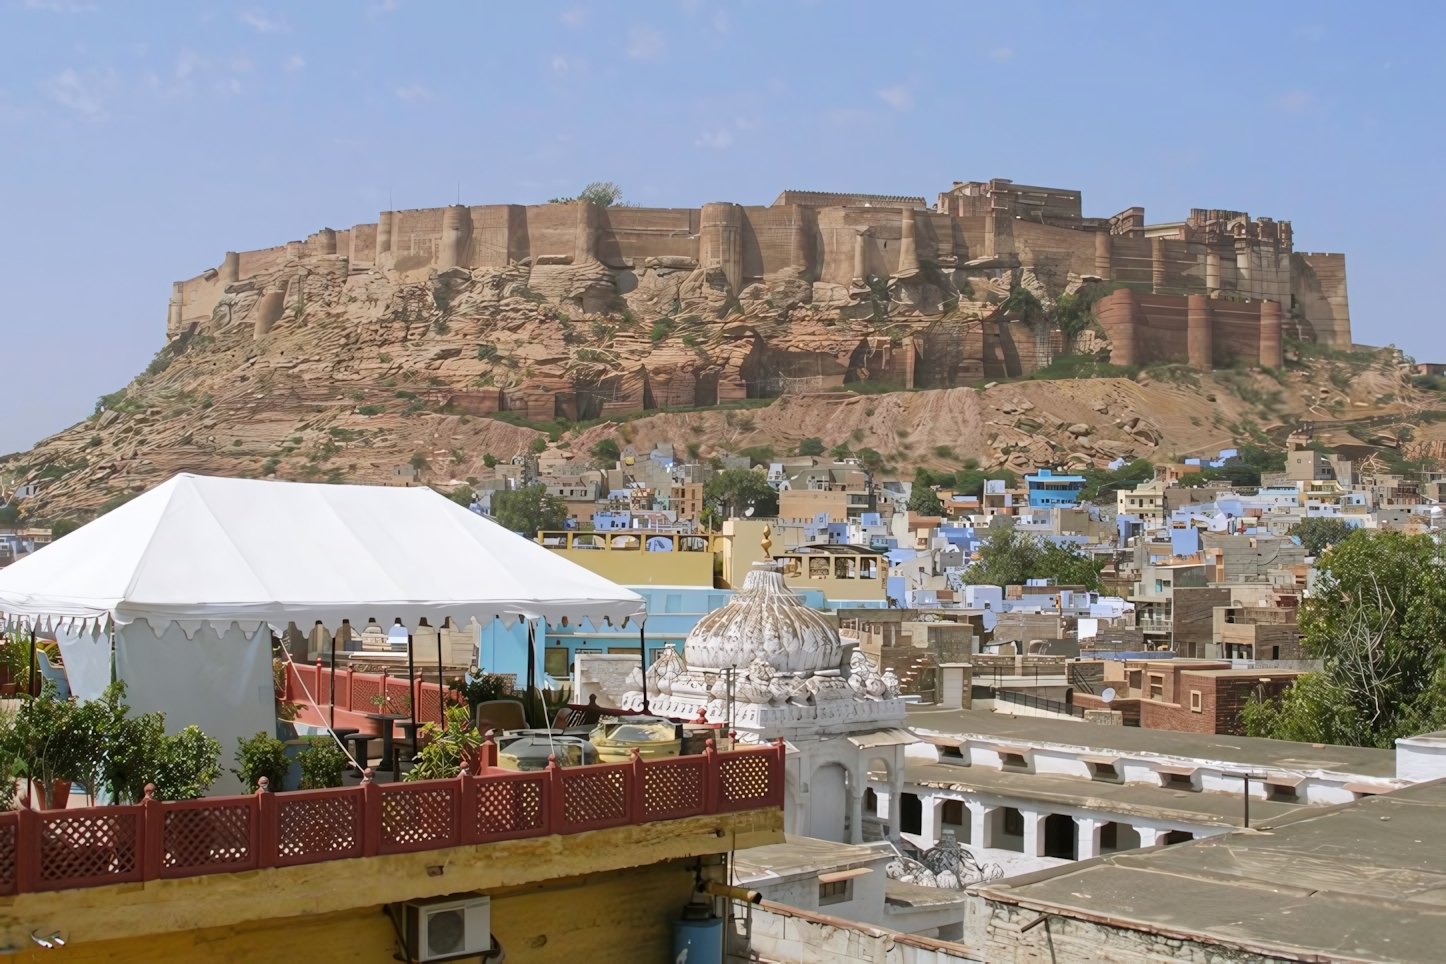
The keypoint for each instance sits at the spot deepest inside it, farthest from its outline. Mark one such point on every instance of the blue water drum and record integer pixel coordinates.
(698, 941)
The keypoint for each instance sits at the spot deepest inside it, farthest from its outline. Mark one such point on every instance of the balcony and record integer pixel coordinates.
(1156, 624)
(55, 850)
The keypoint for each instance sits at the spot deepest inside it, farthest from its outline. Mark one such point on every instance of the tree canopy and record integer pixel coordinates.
(922, 499)
(1010, 557)
(1376, 617)
(811, 446)
(1316, 534)
(732, 491)
(528, 510)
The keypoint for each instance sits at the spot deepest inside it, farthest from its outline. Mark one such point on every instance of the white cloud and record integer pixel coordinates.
(717, 140)
(645, 43)
(294, 63)
(83, 95)
(1002, 55)
(414, 92)
(261, 21)
(844, 116)
(565, 65)
(60, 6)
(1295, 101)
(574, 17)
(897, 97)
(186, 63)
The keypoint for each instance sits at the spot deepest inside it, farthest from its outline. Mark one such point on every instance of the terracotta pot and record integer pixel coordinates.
(59, 794)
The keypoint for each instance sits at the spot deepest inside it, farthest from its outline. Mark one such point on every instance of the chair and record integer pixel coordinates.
(56, 674)
(501, 715)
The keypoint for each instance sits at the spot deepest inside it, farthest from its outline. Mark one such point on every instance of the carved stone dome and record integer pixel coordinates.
(764, 620)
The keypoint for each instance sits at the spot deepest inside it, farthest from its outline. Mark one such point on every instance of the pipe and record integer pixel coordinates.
(714, 888)
(643, 656)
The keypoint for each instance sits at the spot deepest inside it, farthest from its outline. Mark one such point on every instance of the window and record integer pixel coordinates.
(1135, 678)
(1196, 702)
(871, 801)
(952, 813)
(1013, 822)
(1281, 793)
(1157, 686)
(836, 892)
(911, 813)
(554, 662)
(1178, 781)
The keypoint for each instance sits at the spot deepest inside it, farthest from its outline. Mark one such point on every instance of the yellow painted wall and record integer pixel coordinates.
(634, 568)
(619, 917)
(330, 911)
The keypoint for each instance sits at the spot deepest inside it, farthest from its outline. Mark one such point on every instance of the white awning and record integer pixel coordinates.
(889, 737)
(202, 549)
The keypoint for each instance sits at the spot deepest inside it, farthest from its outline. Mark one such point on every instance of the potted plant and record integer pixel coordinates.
(261, 756)
(322, 763)
(478, 688)
(444, 751)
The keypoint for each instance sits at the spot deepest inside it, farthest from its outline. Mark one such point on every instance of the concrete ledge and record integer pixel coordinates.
(216, 900)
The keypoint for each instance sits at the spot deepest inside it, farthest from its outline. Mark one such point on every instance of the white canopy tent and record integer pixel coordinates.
(242, 557)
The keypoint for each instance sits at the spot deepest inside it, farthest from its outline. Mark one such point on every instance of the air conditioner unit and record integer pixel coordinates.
(444, 928)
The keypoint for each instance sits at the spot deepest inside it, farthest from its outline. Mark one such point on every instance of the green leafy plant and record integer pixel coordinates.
(261, 756)
(529, 510)
(811, 446)
(322, 764)
(479, 688)
(444, 750)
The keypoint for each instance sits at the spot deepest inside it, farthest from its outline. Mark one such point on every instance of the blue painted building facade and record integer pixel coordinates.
(1047, 490)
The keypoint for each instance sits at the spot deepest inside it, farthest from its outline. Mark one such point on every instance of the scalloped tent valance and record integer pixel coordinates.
(199, 548)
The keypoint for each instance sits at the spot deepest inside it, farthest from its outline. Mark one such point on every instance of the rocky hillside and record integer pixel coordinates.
(364, 377)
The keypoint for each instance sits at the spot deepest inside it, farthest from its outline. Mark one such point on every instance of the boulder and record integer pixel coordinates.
(1079, 428)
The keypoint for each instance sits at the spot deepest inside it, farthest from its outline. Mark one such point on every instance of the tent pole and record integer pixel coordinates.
(441, 683)
(411, 685)
(531, 670)
(643, 655)
(331, 700)
(30, 686)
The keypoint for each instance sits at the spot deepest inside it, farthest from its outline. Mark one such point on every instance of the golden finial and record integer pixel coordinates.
(767, 531)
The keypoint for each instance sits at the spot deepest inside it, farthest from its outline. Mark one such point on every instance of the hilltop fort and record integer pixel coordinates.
(811, 292)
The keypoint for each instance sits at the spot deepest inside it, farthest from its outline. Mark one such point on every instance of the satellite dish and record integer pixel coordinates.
(1108, 695)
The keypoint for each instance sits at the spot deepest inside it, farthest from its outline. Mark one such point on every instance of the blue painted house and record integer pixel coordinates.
(1047, 490)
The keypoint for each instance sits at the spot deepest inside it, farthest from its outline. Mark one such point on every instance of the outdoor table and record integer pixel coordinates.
(342, 732)
(387, 721)
(362, 744)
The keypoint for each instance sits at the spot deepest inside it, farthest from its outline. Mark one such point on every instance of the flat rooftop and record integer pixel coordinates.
(801, 856)
(1235, 751)
(1362, 882)
(1127, 800)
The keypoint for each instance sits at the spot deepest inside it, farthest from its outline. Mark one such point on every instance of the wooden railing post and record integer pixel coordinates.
(778, 772)
(267, 830)
(27, 851)
(371, 815)
(346, 697)
(153, 835)
(464, 810)
(637, 797)
(556, 805)
(711, 781)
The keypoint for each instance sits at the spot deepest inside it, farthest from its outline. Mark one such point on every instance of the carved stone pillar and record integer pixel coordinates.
(585, 239)
(981, 824)
(1270, 324)
(721, 241)
(384, 233)
(1119, 314)
(456, 233)
(268, 309)
(1200, 332)
(1087, 837)
(908, 246)
(1033, 832)
(1104, 254)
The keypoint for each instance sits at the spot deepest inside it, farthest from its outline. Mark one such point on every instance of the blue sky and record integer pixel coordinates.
(138, 142)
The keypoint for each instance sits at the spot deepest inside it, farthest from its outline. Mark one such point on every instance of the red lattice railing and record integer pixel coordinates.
(43, 850)
(355, 691)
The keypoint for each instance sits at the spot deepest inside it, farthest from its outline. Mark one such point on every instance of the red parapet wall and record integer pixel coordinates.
(45, 850)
